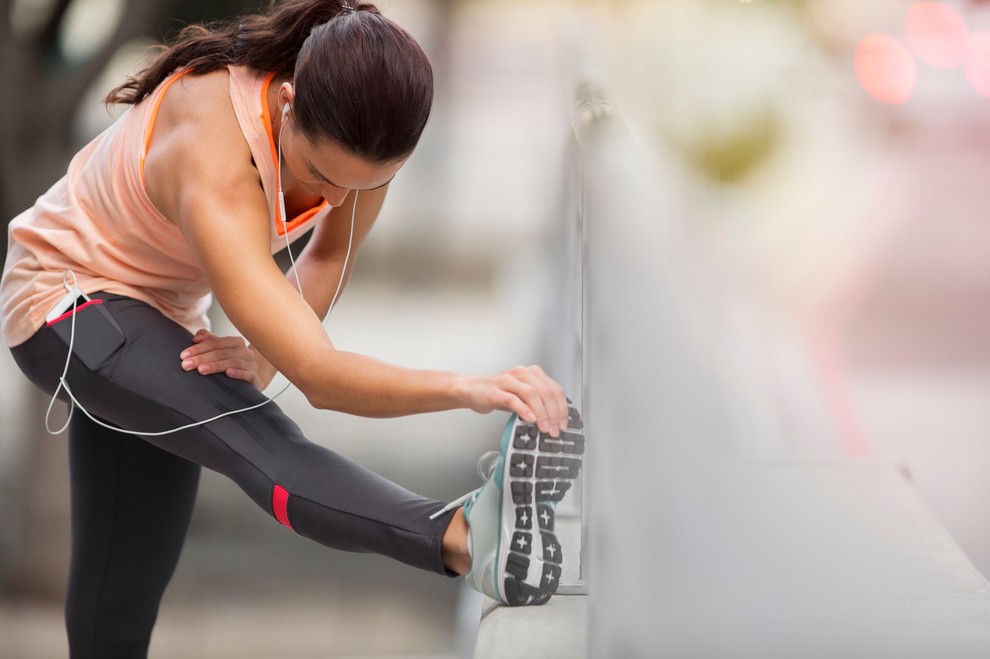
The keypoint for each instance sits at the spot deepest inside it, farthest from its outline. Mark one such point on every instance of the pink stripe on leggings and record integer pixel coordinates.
(280, 504)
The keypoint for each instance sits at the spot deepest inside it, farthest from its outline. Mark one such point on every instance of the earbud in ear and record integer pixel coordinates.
(285, 110)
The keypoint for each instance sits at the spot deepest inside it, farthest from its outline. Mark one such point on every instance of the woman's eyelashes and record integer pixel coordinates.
(317, 177)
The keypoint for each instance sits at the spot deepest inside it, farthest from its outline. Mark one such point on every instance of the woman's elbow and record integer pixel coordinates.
(307, 381)
(318, 396)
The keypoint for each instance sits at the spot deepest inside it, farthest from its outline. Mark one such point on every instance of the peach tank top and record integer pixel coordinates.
(98, 222)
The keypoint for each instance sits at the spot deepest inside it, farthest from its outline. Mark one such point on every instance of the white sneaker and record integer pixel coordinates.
(515, 556)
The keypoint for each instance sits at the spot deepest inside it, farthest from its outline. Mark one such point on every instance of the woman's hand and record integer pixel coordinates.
(229, 355)
(525, 390)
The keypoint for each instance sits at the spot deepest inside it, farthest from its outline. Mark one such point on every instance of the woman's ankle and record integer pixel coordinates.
(454, 546)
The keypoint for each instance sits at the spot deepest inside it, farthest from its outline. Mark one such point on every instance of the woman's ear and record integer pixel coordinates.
(286, 97)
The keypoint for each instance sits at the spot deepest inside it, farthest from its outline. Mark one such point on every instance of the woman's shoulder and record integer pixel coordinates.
(211, 97)
(197, 113)
(197, 139)
(202, 88)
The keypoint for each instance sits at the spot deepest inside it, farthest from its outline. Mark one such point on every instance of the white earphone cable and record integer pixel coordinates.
(65, 369)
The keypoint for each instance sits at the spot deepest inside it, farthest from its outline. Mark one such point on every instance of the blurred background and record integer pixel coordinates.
(826, 161)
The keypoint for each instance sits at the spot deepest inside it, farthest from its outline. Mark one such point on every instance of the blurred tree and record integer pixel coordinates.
(44, 85)
(730, 154)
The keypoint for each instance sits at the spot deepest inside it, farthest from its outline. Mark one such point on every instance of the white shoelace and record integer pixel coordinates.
(486, 465)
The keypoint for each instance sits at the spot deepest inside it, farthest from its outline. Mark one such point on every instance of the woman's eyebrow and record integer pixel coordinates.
(315, 171)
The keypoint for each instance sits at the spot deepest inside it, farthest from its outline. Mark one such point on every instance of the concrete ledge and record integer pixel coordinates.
(782, 559)
(557, 629)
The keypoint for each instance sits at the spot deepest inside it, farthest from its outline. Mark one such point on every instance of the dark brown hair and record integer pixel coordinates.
(360, 80)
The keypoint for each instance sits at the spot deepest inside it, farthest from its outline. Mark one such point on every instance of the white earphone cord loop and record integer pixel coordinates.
(73, 402)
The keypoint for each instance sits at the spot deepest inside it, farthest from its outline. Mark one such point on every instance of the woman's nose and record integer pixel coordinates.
(335, 196)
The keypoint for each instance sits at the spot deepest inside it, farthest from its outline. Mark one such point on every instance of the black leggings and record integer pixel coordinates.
(132, 497)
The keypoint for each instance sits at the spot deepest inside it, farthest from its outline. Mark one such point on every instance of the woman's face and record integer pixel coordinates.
(327, 169)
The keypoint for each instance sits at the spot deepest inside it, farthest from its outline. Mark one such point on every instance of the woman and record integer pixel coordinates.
(239, 139)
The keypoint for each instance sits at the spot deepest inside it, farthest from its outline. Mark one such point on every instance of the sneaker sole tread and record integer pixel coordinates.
(539, 471)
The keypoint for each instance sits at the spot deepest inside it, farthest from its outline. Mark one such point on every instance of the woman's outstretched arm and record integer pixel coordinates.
(201, 176)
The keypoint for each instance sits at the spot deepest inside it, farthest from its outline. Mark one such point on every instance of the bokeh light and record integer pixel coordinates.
(937, 34)
(885, 68)
(978, 62)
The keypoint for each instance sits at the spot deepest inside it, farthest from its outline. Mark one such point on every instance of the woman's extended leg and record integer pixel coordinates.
(131, 505)
(316, 492)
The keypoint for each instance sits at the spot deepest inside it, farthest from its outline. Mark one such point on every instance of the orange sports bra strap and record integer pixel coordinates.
(156, 102)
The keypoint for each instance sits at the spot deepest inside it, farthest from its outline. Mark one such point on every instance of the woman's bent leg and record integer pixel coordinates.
(131, 505)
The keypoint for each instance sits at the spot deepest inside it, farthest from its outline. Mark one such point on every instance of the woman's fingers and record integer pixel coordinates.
(218, 365)
(553, 397)
(552, 405)
(249, 376)
(201, 335)
(217, 354)
(205, 345)
(530, 393)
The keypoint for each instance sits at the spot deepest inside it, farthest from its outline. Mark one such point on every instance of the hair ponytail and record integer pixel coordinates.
(360, 79)
(268, 41)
